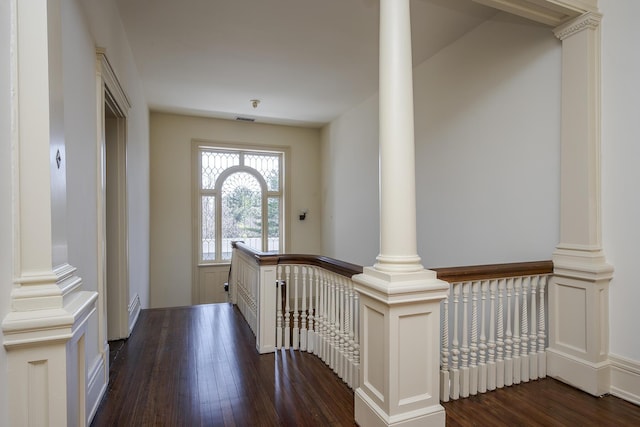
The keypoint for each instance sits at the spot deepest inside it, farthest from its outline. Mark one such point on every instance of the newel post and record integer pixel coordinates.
(399, 299)
(266, 333)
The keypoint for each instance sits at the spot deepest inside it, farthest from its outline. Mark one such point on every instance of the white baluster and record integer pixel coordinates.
(296, 312)
(444, 353)
(491, 363)
(533, 336)
(455, 350)
(350, 344)
(311, 331)
(482, 366)
(320, 316)
(303, 314)
(338, 326)
(345, 328)
(524, 331)
(287, 308)
(464, 350)
(356, 339)
(279, 318)
(344, 332)
(473, 353)
(500, 363)
(516, 330)
(508, 342)
(332, 323)
(542, 359)
(327, 339)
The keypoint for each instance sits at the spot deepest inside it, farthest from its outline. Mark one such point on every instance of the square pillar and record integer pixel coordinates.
(400, 345)
(578, 292)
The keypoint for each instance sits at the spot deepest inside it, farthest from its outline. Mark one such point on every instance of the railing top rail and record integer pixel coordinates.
(448, 274)
(493, 271)
(272, 258)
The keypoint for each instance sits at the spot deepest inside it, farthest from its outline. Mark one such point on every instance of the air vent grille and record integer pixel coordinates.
(245, 119)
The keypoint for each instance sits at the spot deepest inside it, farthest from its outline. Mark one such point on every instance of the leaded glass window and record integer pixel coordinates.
(240, 199)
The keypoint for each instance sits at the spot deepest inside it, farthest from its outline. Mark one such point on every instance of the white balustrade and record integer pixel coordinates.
(252, 286)
(498, 335)
(244, 287)
(493, 331)
(327, 306)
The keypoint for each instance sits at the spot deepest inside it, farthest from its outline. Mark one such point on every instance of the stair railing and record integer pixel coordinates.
(493, 327)
(493, 324)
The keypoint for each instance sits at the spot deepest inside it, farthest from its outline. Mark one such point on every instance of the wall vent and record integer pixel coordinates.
(245, 119)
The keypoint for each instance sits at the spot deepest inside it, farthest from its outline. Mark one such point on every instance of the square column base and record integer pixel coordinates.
(400, 346)
(368, 414)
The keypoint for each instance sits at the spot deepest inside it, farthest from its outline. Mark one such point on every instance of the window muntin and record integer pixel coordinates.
(241, 212)
(213, 163)
(241, 198)
(208, 230)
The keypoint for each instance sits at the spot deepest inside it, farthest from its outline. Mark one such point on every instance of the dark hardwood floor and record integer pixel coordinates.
(545, 402)
(197, 366)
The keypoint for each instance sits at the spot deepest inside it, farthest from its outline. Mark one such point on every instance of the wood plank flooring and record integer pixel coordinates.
(544, 402)
(197, 366)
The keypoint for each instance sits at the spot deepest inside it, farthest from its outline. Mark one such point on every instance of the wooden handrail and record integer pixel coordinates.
(271, 258)
(493, 271)
(448, 274)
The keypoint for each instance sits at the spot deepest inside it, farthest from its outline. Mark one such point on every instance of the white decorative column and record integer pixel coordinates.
(400, 300)
(578, 292)
(44, 332)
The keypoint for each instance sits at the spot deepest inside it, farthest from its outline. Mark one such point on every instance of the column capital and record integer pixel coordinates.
(589, 20)
(400, 288)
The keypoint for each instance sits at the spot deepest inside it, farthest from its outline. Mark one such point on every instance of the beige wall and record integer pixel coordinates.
(171, 261)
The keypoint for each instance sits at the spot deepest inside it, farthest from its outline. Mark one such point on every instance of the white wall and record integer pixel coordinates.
(108, 32)
(350, 209)
(487, 128)
(6, 246)
(171, 214)
(621, 174)
(86, 25)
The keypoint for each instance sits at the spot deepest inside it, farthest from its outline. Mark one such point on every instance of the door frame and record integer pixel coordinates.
(111, 96)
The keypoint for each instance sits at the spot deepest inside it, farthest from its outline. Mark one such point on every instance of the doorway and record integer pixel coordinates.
(115, 210)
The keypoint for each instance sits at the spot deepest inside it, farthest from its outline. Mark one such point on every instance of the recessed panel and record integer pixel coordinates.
(572, 317)
(373, 363)
(413, 370)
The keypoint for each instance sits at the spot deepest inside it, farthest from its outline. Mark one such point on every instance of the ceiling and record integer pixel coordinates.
(307, 61)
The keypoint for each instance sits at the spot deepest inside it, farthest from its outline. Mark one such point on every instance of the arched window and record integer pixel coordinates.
(240, 199)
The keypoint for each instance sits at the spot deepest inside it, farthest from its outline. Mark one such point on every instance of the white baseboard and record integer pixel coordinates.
(134, 312)
(579, 373)
(368, 413)
(97, 384)
(625, 378)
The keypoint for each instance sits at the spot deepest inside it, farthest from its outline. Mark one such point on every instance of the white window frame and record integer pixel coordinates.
(282, 193)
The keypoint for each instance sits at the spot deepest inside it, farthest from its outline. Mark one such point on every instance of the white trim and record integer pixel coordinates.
(578, 372)
(134, 312)
(111, 81)
(98, 378)
(625, 378)
(587, 21)
(549, 12)
(110, 92)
